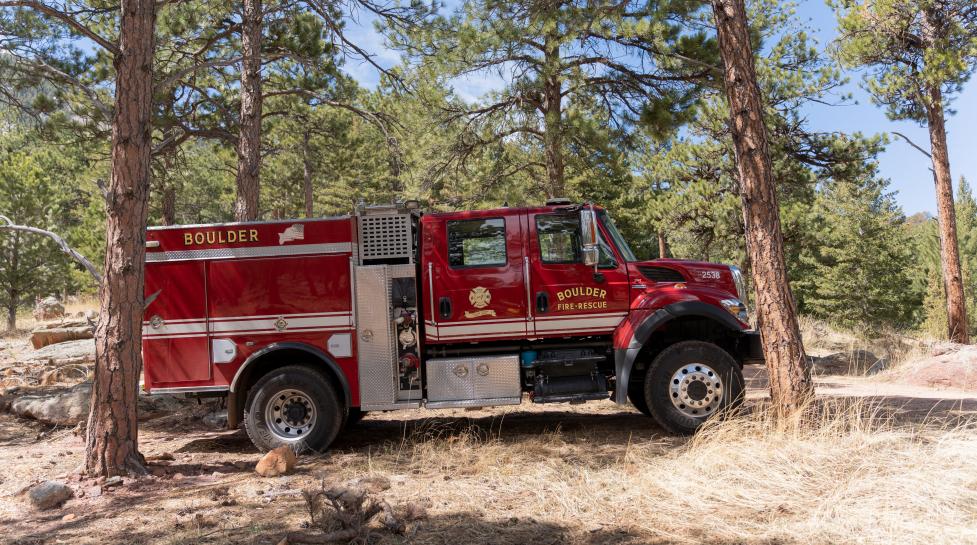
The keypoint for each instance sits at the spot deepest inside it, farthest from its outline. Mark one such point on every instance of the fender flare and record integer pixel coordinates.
(332, 367)
(624, 357)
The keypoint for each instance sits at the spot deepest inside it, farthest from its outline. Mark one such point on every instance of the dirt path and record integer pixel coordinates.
(459, 465)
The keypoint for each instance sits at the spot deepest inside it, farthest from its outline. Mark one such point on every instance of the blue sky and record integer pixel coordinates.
(904, 166)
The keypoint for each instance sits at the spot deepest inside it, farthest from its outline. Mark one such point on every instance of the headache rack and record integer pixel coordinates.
(386, 233)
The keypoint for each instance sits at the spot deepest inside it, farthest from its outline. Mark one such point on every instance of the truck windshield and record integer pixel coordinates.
(622, 245)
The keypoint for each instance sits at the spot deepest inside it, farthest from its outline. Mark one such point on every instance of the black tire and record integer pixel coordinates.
(636, 391)
(353, 416)
(684, 356)
(319, 395)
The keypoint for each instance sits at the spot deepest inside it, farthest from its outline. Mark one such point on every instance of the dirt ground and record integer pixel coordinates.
(550, 474)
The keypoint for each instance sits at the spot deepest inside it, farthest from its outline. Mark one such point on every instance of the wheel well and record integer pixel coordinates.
(277, 358)
(686, 328)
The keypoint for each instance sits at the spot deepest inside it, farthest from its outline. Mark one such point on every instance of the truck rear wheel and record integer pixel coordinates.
(689, 382)
(294, 406)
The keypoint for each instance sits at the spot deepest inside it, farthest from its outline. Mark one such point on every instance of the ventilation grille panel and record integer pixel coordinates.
(385, 237)
(661, 274)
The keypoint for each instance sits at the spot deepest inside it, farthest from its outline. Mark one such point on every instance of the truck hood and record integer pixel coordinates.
(693, 273)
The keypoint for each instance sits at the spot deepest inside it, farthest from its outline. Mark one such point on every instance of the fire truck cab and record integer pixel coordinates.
(305, 325)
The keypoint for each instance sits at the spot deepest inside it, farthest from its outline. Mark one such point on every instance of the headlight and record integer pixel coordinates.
(740, 284)
(737, 308)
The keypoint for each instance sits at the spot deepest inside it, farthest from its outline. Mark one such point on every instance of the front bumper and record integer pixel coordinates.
(750, 348)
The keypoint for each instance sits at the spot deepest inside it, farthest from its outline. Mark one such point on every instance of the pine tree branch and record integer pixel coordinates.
(6, 223)
(65, 18)
(913, 144)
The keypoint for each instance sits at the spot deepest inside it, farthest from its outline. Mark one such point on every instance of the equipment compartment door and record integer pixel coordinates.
(174, 329)
(475, 277)
(569, 297)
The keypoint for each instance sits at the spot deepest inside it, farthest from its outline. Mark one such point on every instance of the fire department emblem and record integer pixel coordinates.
(281, 324)
(480, 297)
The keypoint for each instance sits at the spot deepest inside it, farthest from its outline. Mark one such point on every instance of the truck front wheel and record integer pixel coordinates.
(293, 406)
(690, 381)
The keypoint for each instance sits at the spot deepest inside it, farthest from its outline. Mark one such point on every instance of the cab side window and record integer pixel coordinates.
(559, 238)
(476, 243)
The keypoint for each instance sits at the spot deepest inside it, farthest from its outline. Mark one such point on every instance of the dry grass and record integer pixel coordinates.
(74, 305)
(845, 474)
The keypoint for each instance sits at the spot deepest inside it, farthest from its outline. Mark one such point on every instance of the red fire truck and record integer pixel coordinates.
(305, 325)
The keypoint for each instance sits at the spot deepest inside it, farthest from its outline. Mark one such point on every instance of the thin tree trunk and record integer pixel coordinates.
(13, 294)
(956, 305)
(307, 174)
(169, 205)
(662, 249)
(249, 138)
(112, 446)
(553, 121)
(790, 381)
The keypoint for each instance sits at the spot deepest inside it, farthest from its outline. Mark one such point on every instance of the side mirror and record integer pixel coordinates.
(589, 237)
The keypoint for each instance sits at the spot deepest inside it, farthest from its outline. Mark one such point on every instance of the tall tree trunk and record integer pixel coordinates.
(790, 381)
(307, 174)
(956, 305)
(249, 138)
(168, 196)
(553, 120)
(662, 246)
(112, 446)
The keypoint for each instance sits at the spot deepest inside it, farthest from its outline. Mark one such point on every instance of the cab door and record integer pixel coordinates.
(570, 298)
(474, 276)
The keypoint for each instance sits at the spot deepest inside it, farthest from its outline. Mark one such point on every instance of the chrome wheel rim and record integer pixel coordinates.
(290, 415)
(696, 390)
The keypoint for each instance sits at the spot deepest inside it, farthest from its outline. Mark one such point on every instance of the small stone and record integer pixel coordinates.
(93, 491)
(113, 481)
(374, 483)
(179, 476)
(49, 494)
(280, 461)
(69, 517)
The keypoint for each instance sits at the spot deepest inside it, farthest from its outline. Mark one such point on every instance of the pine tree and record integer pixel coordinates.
(919, 53)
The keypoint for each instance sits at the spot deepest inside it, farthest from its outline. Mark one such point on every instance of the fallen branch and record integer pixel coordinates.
(6, 223)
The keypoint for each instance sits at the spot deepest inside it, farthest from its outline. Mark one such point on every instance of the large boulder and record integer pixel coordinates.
(48, 308)
(81, 351)
(68, 406)
(49, 495)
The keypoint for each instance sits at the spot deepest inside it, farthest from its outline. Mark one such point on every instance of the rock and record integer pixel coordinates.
(280, 461)
(93, 491)
(49, 494)
(373, 484)
(80, 351)
(60, 407)
(68, 406)
(44, 336)
(217, 419)
(179, 476)
(48, 308)
(113, 481)
(69, 517)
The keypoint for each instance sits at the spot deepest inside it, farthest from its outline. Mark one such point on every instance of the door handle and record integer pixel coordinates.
(444, 307)
(542, 302)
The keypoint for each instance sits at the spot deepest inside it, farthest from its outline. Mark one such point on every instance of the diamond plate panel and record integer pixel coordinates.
(475, 378)
(376, 351)
(252, 251)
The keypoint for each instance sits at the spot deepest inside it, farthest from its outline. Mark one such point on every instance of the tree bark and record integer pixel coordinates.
(790, 381)
(307, 174)
(662, 246)
(553, 120)
(112, 446)
(249, 138)
(956, 306)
